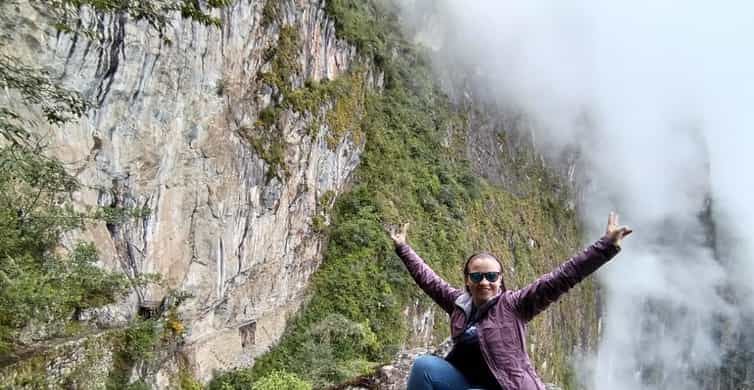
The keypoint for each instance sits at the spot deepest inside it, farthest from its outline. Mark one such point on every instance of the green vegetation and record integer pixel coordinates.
(270, 145)
(42, 284)
(284, 56)
(353, 319)
(138, 343)
(281, 380)
(265, 137)
(187, 382)
(405, 174)
(67, 13)
(411, 171)
(239, 379)
(275, 380)
(88, 372)
(270, 12)
(324, 201)
(44, 287)
(147, 342)
(346, 96)
(371, 26)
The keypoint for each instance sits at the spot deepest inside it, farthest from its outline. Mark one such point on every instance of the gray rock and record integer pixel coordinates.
(394, 376)
(162, 137)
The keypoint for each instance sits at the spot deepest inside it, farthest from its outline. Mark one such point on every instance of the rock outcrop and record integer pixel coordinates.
(173, 131)
(193, 126)
(395, 375)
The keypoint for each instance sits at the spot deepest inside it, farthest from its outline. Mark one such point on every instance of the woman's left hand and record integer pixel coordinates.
(615, 233)
(398, 233)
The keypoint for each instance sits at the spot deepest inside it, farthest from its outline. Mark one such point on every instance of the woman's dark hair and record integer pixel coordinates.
(478, 256)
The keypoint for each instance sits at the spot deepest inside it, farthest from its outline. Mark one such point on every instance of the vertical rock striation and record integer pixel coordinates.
(170, 131)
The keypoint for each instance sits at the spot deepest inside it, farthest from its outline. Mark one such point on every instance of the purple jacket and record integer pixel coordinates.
(502, 333)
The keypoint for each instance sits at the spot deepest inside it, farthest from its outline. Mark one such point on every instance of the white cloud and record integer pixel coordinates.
(668, 88)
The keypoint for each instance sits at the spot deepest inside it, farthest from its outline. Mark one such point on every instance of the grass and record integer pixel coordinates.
(353, 317)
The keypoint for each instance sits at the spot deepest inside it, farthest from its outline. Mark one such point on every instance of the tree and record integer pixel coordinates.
(39, 283)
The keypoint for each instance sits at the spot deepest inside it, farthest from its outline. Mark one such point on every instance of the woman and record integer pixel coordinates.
(488, 322)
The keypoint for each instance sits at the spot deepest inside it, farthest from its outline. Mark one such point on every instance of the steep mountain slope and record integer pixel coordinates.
(270, 151)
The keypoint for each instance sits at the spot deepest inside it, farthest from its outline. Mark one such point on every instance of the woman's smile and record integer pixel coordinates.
(482, 269)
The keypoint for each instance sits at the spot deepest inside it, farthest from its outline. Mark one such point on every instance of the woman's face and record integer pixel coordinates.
(483, 290)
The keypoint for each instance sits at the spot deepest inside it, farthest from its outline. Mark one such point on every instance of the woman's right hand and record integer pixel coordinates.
(616, 232)
(398, 233)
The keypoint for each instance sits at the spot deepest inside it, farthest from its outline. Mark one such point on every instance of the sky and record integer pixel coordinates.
(657, 98)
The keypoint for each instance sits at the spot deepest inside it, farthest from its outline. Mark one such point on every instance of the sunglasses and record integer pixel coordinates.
(476, 277)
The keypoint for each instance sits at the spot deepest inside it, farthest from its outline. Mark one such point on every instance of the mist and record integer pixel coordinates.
(656, 97)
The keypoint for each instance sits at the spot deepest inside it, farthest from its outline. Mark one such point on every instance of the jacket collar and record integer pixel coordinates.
(465, 302)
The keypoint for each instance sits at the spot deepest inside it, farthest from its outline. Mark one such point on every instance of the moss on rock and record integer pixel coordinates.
(414, 169)
(411, 171)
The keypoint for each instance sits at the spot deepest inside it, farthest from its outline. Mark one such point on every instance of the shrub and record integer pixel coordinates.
(281, 380)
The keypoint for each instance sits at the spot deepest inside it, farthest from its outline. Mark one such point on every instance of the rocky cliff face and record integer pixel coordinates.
(176, 129)
(226, 136)
(395, 375)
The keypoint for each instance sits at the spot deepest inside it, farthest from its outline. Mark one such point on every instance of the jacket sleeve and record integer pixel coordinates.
(537, 296)
(432, 284)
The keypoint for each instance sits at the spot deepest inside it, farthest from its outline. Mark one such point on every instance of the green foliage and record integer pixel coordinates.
(331, 350)
(241, 379)
(319, 224)
(40, 285)
(368, 25)
(411, 170)
(35, 87)
(141, 341)
(244, 380)
(268, 117)
(348, 110)
(31, 375)
(361, 281)
(86, 371)
(311, 97)
(265, 137)
(187, 382)
(146, 344)
(137, 385)
(281, 380)
(157, 13)
(348, 95)
(325, 200)
(270, 146)
(284, 57)
(270, 12)
(314, 127)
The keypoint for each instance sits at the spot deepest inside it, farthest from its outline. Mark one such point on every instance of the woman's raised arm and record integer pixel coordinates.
(433, 285)
(538, 295)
